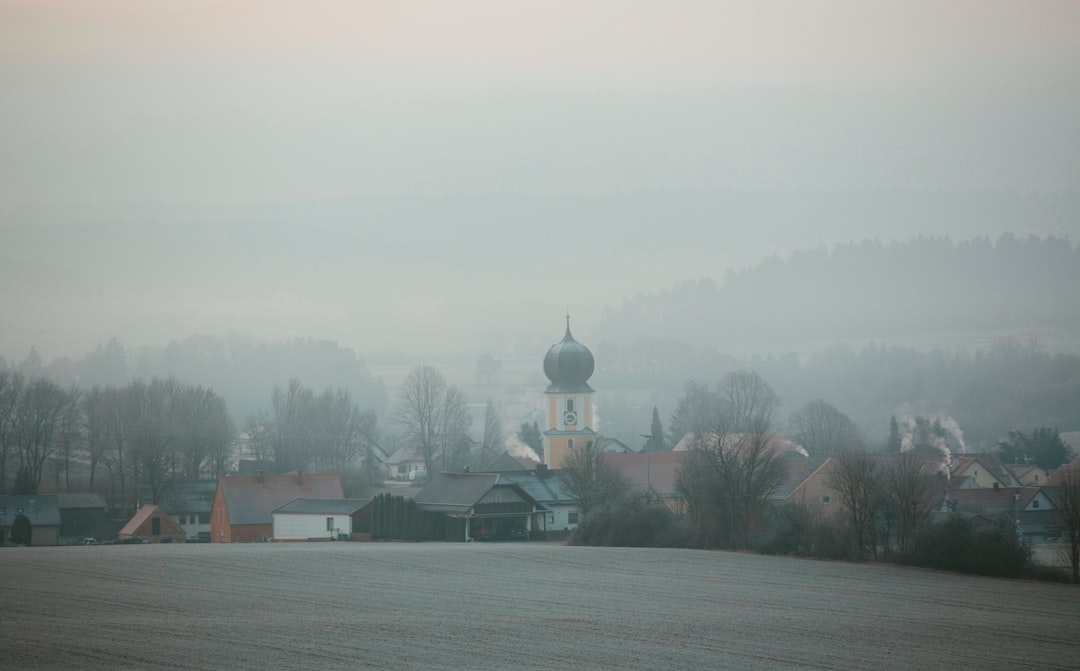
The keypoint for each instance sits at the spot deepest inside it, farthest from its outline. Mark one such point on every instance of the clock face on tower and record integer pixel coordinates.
(569, 418)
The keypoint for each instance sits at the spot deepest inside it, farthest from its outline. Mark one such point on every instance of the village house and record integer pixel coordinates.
(481, 506)
(42, 511)
(407, 464)
(1033, 511)
(545, 487)
(244, 504)
(82, 516)
(805, 483)
(651, 473)
(153, 525)
(189, 504)
(322, 519)
(982, 471)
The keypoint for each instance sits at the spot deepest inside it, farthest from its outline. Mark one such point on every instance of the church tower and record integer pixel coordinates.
(568, 365)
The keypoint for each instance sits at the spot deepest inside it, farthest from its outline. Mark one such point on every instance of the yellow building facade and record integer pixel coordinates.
(568, 365)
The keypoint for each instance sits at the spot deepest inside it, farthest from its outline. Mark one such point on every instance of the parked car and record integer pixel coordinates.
(483, 534)
(519, 534)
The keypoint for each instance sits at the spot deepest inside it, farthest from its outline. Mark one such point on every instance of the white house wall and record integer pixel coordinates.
(291, 527)
(558, 518)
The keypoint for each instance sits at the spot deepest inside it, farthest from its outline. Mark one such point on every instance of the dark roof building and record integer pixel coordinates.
(479, 505)
(82, 515)
(244, 504)
(41, 510)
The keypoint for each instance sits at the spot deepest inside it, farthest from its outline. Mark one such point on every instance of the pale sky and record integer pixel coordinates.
(209, 167)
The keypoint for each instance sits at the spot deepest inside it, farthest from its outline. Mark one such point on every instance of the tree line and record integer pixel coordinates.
(139, 435)
(1010, 382)
(735, 464)
(854, 290)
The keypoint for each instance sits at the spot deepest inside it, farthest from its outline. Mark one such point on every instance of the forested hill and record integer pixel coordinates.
(871, 290)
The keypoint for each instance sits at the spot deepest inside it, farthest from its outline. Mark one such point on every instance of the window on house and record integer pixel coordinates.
(1035, 503)
(570, 444)
(569, 405)
(403, 468)
(551, 518)
(329, 523)
(155, 526)
(571, 518)
(221, 515)
(825, 500)
(204, 518)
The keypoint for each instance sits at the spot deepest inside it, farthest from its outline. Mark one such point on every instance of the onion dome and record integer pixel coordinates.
(568, 364)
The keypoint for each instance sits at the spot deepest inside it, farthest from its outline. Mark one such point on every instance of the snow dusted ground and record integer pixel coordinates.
(512, 606)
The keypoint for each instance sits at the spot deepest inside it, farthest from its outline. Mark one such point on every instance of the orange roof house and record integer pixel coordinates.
(152, 524)
(244, 504)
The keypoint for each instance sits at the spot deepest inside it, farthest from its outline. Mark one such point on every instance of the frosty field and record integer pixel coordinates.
(503, 606)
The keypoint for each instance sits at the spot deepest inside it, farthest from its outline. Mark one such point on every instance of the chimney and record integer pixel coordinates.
(300, 478)
(259, 475)
(541, 470)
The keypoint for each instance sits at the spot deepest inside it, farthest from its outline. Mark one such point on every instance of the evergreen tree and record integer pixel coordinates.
(531, 436)
(656, 433)
(894, 444)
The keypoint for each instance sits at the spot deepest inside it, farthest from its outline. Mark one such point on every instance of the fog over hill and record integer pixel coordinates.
(930, 290)
(449, 276)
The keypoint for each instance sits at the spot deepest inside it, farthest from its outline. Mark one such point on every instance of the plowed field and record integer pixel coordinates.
(512, 606)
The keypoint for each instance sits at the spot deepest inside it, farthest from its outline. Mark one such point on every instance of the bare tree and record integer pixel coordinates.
(453, 430)
(696, 412)
(117, 456)
(420, 408)
(345, 432)
(36, 425)
(11, 385)
(1068, 495)
(750, 404)
(855, 480)
(204, 431)
(152, 421)
(913, 491)
(72, 431)
(95, 412)
(286, 436)
(494, 438)
(823, 430)
(732, 470)
(590, 479)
